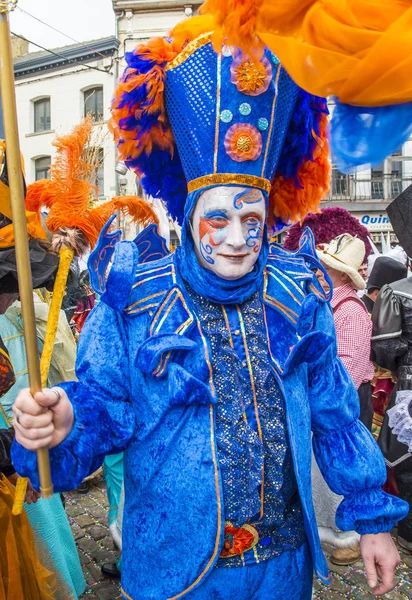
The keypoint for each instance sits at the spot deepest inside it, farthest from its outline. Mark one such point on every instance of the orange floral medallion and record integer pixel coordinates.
(251, 78)
(243, 142)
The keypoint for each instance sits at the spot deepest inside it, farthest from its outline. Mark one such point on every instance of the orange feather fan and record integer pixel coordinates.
(137, 208)
(290, 202)
(69, 193)
(159, 51)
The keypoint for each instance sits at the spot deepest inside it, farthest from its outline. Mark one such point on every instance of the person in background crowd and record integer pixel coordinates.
(385, 270)
(113, 474)
(79, 299)
(85, 304)
(22, 575)
(392, 350)
(47, 517)
(341, 259)
(363, 272)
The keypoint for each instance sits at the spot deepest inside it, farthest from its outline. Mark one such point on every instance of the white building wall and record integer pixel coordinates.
(65, 89)
(139, 21)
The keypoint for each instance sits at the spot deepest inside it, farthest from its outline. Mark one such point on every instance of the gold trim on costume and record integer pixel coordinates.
(288, 312)
(227, 179)
(272, 119)
(190, 49)
(317, 292)
(132, 306)
(5, 354)
(149, 279)
(255, 405)
(174, 295)
(125, 594)
(274, 361)
(143, 276)
(219, 70)
(5, 417)
(285, 287)
(163, 364)
(212, 441)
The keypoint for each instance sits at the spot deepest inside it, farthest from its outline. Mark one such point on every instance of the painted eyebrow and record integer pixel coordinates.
(253, 214)
(215, 213)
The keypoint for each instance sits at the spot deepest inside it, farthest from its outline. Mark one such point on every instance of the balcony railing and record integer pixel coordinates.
(352, 188)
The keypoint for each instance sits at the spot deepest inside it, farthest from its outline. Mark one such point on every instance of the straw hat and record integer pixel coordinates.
(345, 253)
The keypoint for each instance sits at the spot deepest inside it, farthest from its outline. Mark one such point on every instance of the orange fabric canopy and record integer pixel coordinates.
(357, 50)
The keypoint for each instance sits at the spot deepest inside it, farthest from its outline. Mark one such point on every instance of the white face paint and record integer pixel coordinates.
(227, 230)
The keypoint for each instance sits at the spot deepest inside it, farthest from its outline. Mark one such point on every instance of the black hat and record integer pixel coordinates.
(43, 261)
(385, 270)
(400, 215)
(43, 264)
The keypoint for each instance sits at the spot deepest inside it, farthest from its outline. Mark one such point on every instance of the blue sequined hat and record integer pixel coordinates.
(228, 114)
(185, 120)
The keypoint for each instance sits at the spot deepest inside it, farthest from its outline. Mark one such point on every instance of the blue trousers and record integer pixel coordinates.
(286, 577)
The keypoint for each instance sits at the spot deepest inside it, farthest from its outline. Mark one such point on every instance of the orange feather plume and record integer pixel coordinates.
(137, 208)
(290, 202)
(236, 18)
(69, 193)
(159, 52)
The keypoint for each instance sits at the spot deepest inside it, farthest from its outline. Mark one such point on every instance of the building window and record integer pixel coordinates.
(340, 184)
(377, 187)
(93, 103)
(397, 175)
(174, 240)
(42, 115)
(100, 172)
(42, 167)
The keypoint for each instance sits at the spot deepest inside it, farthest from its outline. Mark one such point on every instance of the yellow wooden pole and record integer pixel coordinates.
(66, 257)
(19, 224)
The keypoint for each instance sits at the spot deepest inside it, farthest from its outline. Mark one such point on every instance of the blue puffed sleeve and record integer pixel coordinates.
(105, 420)
(348, 456)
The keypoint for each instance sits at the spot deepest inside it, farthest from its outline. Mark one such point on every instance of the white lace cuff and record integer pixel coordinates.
(400, 421)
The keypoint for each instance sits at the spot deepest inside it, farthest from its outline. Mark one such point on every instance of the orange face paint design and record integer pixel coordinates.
(213, 228)
(251, 196)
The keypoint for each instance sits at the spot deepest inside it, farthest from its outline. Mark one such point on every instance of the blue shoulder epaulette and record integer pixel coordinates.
(115, 285)
(151, 245)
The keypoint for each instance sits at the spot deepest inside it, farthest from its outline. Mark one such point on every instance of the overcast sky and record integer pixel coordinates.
(82, 20)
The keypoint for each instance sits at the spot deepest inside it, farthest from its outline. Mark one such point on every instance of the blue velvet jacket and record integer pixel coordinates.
(146, 388)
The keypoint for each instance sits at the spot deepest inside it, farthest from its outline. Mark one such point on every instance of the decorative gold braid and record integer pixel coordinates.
(5, 417)
(190, 49)
(229, 178)
(272, 118)
(7, 6)
(217, 123)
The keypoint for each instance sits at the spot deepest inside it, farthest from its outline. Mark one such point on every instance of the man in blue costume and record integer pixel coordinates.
(210, 367)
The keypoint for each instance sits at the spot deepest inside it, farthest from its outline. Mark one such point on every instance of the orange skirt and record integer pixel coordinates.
(21, 573)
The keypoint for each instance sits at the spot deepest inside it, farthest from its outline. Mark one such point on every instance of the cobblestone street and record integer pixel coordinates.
(88, 517)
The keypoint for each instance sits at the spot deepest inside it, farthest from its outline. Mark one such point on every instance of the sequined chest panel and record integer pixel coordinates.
(259, 484)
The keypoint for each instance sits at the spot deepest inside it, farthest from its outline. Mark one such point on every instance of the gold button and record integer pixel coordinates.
(237, 332)
(244, 143)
